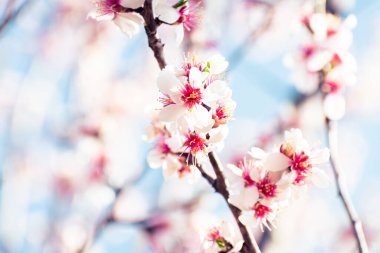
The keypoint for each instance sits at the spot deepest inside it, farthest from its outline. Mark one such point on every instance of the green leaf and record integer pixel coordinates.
(180, 3)
(221, 243)
(207, 68)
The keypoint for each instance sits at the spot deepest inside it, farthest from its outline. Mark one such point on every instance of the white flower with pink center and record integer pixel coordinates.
(221, 238)
(195, 145)
(326, 50)
(123, 14)
(163, 156)
(296, 156)
(190, 93)
(249, 182)
(187, 18)
(128, 22)
(262, 213)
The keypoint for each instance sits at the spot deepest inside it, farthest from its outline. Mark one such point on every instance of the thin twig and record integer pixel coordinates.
(240, 51)
(206, 176)
(13, 15)
(356, 224)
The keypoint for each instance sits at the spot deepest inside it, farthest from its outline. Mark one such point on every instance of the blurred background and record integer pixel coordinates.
(74, 95)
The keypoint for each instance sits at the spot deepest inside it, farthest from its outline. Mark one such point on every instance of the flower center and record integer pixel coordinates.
(195, 143)
(300, 164)
(213, 234)
(267, 188)
(165, 148)
(191, 96)
(307, 52)
(261, 211)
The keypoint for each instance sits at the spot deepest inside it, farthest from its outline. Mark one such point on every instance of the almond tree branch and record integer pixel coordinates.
(356, 224)
(154, 41)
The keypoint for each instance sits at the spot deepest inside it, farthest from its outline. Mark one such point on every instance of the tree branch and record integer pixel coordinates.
(151, 31)
(356, 224)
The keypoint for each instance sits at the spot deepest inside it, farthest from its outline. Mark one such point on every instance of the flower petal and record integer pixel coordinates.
(167, 81)
(195, 78)
(155, 159)
(166, 13)
(132, 3)
(276, 162)
(129, 23)
(218, 64)
(171, 166)
(319, 178)
(257, 153)
(95, 14)
(200, 116)
(180, 33)
(171, 112)
(334, 106)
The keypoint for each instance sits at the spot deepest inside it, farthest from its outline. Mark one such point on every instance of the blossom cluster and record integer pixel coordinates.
(195, 107)
(126, 14)
(264, 182)
(324, 61)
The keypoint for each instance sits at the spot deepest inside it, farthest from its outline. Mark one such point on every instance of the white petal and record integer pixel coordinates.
(276, 162)
(320, 178)
(257, 153)
(320, 156)
(180, 33)
(318, 60)
(94, 14)
(171, 112)
(129, 23)
(234, 169)
(132, 3)
(175, 143)
(334, 106)
(218, 64)
(295, 139)
(171, 166)
(246, 199)
(219, 89)
(247, 218)
(318, 24)
(218, 134)
(195, 77)
(200, 116)
(155, 159)
(167, 81)
(166, 13)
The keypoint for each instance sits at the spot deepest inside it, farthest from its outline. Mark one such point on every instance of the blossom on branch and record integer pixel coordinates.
(127, 15)
(263, 182)
(195, 107)
(221, 238)
(324, 61)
